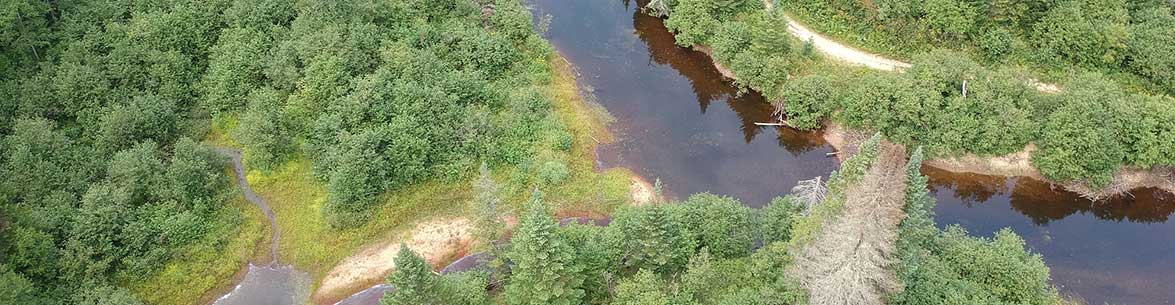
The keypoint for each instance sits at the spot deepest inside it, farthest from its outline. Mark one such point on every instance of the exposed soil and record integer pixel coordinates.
(640, 191)
(848, 261)
(437, 240)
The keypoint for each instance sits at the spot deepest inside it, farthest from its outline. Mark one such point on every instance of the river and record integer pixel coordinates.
(677, 120)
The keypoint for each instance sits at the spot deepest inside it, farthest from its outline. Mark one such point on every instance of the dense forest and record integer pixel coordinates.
(112, 112)
(1095, 126)
(711, 249)
(1131, 40)
(105, 102)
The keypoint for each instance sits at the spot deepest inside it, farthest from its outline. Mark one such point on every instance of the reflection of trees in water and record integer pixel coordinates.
(708, 85)
(1044, 202)
(968, 188)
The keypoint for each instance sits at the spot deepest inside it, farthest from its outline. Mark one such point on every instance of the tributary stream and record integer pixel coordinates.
(678, 120)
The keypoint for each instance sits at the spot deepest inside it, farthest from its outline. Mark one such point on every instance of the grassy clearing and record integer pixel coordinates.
(298, 198)
(206, 267)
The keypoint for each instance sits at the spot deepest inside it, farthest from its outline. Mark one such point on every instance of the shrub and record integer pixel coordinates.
(554, 172)
(996, 44)
(1152, 47)
(808, 99)
(777, 217)
(721, 224)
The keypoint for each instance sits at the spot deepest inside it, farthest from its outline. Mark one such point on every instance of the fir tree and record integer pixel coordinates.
(414, 281)
(543, 270)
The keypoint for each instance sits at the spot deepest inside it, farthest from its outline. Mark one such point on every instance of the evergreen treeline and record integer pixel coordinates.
(711, 249)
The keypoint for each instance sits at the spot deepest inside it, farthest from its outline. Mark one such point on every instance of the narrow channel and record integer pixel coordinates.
(679, 121)
(271, 283)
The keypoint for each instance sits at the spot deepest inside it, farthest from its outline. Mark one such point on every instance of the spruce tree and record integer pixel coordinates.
(543, 270)
(414, 281)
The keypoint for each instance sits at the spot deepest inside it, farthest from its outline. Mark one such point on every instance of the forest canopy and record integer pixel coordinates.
(105, 103)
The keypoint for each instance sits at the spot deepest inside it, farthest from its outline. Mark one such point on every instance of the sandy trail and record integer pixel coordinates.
(842, 52)
(853, 56)
(847, 263)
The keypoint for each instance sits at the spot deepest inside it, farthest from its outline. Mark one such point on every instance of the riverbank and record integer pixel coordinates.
(1015, 164)
(307, 243)
(442, 239)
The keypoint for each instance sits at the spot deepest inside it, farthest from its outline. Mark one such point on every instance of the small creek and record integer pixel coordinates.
(273, 283)
(679, 121)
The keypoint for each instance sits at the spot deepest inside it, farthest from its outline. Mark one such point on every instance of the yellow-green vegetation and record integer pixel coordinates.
(209, 264)
(298, 198)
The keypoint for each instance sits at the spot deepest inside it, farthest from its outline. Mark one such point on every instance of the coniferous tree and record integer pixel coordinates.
(543, 271)
(414, 281)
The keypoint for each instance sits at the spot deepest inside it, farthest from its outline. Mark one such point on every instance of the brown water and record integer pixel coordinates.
(679, 121)
(676, 118)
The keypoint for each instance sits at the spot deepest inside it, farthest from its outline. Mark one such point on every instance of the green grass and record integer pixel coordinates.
(200, 271)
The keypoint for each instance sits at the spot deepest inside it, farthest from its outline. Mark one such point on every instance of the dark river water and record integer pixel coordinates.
(677, 120)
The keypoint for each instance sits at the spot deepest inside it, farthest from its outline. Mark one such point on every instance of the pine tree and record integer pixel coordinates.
(414, 281)
(543, 270)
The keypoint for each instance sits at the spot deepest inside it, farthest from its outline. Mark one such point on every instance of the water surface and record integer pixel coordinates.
(676, 118)
(679, 121)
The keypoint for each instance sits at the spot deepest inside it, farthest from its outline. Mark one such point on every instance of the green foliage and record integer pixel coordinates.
(15, 289)
(597, 257)
(722, 224)
(961, 269)
(808, 100)
(655, 237)
(554, 172)
(1152, 47)
(644, 288)
(414, 281)
(996, 43)
(265, 130)
(1074, 146)
(777, 217)
(950, 267)
(544, 270)
(1086, 32)
(949, 19)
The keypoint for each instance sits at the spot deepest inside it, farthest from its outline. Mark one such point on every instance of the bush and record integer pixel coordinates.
(808, 99)
(1087, 33)
(554, 172)
(721, 224)
(1074, 144)
(777, 217)
(1152, 47)
(265, 130)
(996, 44)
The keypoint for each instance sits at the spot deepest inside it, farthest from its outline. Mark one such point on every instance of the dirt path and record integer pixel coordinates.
(842, 52)
(239, 169)
(851, 55)
(847, 263)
